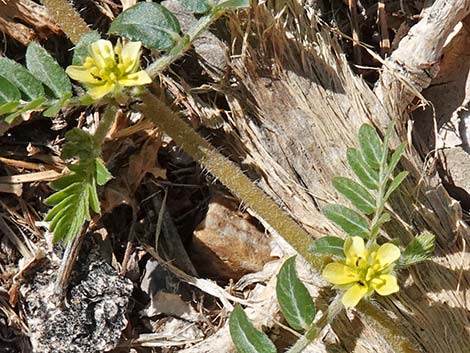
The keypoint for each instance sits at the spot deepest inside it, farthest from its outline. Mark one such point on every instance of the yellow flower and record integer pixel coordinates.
(364, 270)
(108, 70)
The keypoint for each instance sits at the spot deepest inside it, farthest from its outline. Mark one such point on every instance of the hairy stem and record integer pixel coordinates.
(184, 43)
(67, 18)
(105, 124)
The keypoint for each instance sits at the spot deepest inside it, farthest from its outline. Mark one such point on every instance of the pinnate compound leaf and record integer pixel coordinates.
(46, 69)
(70, 211)
(349, 221)
(328, 245)
(367, 175)
(21, 78)
(151, 23)
(356, 193)
(395, 183)
(294, 299)
(418, 250)
(196, 6)
(81, 49)
(8, 92)
(246, 338)
(371, 146)
(233, 4)
(76, 195)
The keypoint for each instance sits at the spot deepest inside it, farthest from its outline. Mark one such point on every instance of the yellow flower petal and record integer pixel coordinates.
(353, 295)
(387, 254)
(102, 52)
(130, 56)
(354, 248)
(337, 273)
(97, 92)
(385, 284)
(82, 74)
(136, 79)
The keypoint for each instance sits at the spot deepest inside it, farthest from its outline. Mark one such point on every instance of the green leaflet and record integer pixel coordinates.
(151, 23)
(356, 193)
(350, 221)
(371, 146)
(46, 69)
(34, 104)
(102, 174)
(9, 107)
(246, 337)
(196, 6)
(21, 78)
(369, 177)
(328, 245)
(395, 183)
(395, 158)
(55, 106)
(294, 299)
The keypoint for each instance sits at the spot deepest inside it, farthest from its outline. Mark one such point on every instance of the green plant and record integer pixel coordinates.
(362, 269)
(110, 76)
(44, 86)
(361, 266)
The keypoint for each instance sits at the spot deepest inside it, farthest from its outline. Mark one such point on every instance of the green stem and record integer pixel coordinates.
(184, 43)
(384, 175)
(303, 341)
(67, 18)
(105, 124)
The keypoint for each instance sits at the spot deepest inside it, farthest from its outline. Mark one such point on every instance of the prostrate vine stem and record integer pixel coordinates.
(184, 44)
(67, 18)
(106, 123)
(228, 173)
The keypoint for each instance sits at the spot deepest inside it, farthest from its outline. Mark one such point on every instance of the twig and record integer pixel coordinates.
(385, 38)
(66, 264)
(355, 33)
